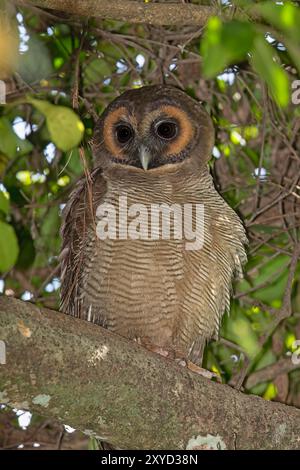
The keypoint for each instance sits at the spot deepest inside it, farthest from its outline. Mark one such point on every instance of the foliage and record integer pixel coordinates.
(69, 69)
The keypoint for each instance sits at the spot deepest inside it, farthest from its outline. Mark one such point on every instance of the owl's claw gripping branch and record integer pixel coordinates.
(171, 354)
(204, 372)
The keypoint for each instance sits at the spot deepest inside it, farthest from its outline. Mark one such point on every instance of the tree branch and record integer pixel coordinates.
(283, 366)
(132, 11)
(107, 386)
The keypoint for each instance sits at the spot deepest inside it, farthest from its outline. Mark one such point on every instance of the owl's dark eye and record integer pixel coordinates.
(166, 130)
(124, 133)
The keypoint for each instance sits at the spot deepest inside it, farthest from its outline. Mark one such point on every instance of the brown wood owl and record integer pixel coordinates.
(152, 146)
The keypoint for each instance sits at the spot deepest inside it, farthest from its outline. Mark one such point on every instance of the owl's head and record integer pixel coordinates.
(153, 128)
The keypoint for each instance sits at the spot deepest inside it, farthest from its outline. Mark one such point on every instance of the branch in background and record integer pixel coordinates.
(283, 366)
(109, 387)
(134, 12)
(279, 315)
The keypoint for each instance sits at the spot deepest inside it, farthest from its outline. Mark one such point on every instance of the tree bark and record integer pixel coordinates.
(112, 388)
(131, 11)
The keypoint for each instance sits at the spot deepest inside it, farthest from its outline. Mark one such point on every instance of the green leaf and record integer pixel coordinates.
(4, 203)
(50, 224)
(34, 63)
(64, 126)
(73, 161)
(125, 79)
(93, 444)
(265, 360)
(10, 144)
(294, 53)
(110, 50)
(270, 392)
(27, 248)
(270, 71)
(96, 71)
(241, 332)
(224, 44)
(284, 17)
(9, 248)
(270, 280)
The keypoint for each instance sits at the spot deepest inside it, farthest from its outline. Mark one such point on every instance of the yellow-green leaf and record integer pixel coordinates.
(64, 126)
(9, 248)
(93, 444)
(224, 44)
(10, 144)
(241, 332)
(4, 203)
(97, 70)
(270, 71)
(270, 392)
(289, 341)
(284, 17)
(294, 52)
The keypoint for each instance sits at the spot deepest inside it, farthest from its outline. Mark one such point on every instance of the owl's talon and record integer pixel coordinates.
(146, 343)
(199, 370)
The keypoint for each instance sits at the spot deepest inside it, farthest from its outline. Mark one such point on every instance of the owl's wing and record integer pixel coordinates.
(210, 272)
(78, 219)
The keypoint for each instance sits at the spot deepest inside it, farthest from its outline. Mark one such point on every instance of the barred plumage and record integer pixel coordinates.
(154, 290)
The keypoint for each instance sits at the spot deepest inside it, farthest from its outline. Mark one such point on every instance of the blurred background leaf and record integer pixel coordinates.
(8, 246)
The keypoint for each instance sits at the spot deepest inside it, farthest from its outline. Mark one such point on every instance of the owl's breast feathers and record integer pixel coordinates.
(155, 289)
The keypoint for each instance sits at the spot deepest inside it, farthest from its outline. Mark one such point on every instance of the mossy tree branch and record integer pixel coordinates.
(158, 14)
(109, 387)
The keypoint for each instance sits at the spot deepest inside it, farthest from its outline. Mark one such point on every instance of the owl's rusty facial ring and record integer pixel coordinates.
(163, 136)
(118, 132)
(184, 129)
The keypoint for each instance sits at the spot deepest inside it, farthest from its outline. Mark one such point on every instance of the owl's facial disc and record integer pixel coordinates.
(166, 134)
(161, 136)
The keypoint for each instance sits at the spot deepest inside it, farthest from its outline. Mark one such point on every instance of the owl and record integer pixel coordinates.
(151, 147)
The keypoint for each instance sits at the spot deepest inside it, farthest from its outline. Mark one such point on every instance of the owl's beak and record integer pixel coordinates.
(145, 157)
